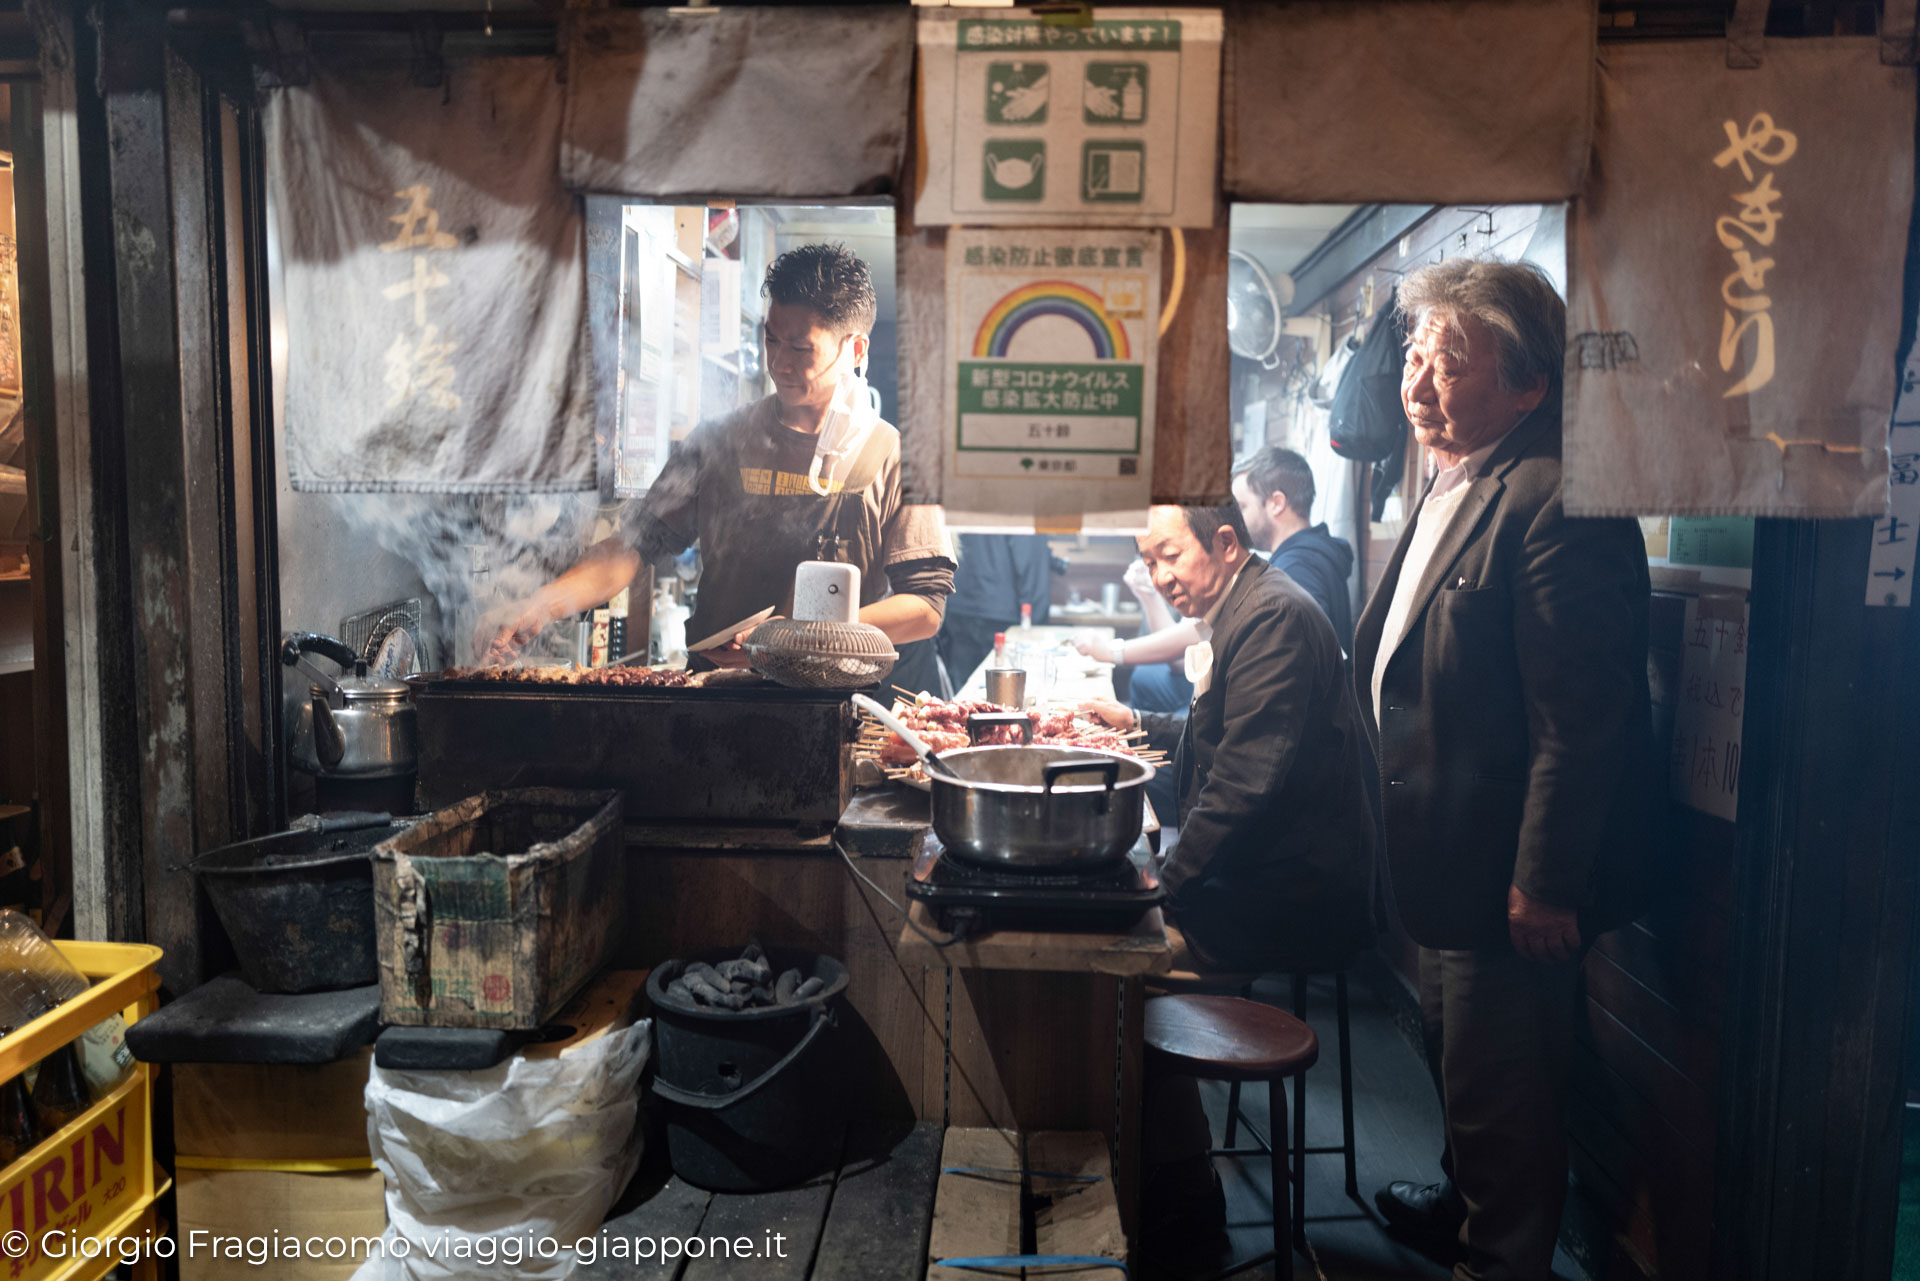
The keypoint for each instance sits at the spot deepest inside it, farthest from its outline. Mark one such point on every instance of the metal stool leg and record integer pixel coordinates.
(1283, 1232)
(1346, 1082)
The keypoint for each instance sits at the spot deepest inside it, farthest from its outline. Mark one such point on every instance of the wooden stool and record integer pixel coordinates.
(1190, 977)
(1230, 1038)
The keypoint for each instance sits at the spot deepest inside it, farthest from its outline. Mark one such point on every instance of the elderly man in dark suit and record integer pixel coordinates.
(1277, 840)
(1502, 669)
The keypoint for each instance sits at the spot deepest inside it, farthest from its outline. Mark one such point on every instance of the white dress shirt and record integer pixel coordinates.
(1199, 658)
(1430, 524)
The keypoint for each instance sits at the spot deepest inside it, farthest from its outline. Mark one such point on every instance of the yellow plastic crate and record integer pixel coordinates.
(96, 1177)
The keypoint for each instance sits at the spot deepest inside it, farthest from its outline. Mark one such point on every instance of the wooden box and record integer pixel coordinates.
(279, 1112)
(494, 911)
(244, 1204)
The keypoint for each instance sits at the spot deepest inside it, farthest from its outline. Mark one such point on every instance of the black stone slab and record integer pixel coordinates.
(885, 822)
(225, 1021)
(445, 1049)
(882, 1209)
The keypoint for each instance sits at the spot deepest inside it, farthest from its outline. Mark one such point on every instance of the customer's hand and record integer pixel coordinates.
(1541, 932)
(1108, 712)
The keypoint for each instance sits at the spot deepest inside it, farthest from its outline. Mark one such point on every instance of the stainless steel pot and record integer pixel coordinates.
(1039, 808)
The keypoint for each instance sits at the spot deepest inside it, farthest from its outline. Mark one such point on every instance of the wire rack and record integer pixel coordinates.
(365, 633)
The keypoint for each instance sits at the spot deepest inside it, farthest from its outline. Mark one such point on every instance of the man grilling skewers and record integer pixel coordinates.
(1272, 869)
(810, 472)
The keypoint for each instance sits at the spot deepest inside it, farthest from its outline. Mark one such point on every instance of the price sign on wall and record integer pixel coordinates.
(1051, 373)
(1710, 705)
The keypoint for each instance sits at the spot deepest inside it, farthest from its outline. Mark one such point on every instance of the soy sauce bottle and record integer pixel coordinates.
(60, 1092)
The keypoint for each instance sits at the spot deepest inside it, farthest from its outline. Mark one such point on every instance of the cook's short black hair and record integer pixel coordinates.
(1205, 522)
(831, 280)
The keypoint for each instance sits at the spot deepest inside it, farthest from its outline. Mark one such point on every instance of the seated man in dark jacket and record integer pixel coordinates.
(1273, 866)
(1275, 854)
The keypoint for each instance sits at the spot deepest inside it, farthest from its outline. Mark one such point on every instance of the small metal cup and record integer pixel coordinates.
(1007, 686)
(1109, 598)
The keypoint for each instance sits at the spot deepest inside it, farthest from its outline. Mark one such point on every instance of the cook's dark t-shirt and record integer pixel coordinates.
(739, 486)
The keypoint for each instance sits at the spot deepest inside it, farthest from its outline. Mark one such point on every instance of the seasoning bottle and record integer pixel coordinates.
(602, 630)
(1026, 616)
(60, 1092)
(617, 626)
(999, 649)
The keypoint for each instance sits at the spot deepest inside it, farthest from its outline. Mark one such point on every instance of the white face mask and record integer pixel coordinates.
(851, 418)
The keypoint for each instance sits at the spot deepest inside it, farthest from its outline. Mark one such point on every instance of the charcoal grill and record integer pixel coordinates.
(728, 754)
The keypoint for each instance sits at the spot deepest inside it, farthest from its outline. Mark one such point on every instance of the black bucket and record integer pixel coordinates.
(299, 905)
(754, 1099)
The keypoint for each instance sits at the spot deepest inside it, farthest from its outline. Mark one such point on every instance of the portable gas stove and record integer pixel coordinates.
(968, 899)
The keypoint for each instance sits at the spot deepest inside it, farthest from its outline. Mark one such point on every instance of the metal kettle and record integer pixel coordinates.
(353, 726)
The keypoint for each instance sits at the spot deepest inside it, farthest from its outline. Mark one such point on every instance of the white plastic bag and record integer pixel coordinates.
(497, 1173)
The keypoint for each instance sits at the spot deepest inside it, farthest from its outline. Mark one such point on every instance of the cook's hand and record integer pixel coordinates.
(1139, 579)
(1110, 713)
(733, 654)
(1542, 933)
(730, 655)
(506, 629)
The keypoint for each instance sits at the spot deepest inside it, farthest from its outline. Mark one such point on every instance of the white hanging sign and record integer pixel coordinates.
(1710, 705)
(1890, 562)
(1050, 377)
(1109, 124)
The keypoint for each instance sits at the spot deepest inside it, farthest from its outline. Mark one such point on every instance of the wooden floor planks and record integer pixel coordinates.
(976, 1214)
(881, 1216)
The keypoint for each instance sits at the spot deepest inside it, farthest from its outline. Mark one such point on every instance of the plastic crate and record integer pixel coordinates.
(95, 1177)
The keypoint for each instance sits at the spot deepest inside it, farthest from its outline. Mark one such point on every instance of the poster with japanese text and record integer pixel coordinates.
(1050, 388)
(1108, 124)
(1710, 705)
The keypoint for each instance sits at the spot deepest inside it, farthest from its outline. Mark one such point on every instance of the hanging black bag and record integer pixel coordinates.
(1367, 423)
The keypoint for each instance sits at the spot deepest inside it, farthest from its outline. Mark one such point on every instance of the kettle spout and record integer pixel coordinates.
(329, 740)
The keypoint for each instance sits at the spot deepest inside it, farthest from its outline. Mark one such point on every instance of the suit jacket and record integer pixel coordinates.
(1270, 762)
(1514, 735)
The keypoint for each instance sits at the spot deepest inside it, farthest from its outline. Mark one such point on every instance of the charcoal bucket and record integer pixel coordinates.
(753, 1099)
(298, 905)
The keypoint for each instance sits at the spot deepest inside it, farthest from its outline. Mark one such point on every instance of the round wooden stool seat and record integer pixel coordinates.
(1228, 1038)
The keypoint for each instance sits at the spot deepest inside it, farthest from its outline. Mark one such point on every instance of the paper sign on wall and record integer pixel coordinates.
(1050, 380)
(1711, 705)
(1107, 124)
(1890, 564)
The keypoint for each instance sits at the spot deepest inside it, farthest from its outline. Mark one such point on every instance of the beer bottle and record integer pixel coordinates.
(19, 1130)
(60, 1093)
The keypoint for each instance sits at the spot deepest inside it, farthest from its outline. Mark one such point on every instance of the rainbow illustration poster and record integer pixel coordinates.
(1051, 379)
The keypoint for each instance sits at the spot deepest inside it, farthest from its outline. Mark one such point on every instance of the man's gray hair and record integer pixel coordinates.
(1516, 301)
